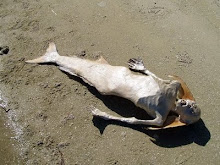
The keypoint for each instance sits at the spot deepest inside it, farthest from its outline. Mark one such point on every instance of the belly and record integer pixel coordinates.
(132, 86)
(111, 80)
(117, 80)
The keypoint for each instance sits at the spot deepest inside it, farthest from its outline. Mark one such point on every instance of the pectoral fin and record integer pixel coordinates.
(171, 122)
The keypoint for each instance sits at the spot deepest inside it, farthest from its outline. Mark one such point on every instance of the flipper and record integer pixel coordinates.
(171, 122)
(50, 55)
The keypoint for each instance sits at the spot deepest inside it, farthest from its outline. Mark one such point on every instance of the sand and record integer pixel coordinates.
(47, 118)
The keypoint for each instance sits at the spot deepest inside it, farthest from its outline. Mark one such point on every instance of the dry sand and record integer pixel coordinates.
(48, 111)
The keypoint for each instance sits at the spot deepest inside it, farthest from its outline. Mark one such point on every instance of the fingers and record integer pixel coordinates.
(135, 61)
(131, 65)
(136, 64)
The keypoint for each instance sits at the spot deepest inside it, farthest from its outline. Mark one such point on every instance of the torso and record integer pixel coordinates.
(144, 91)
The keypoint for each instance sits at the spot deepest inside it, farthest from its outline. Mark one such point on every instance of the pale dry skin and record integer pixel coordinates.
(154, 95)
(180, 38)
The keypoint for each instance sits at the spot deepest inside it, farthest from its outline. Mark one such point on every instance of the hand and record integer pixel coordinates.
(136, 64)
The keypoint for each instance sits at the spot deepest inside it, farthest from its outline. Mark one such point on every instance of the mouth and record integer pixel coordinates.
(171, 122)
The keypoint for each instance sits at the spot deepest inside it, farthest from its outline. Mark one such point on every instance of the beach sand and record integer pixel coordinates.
(47, 119)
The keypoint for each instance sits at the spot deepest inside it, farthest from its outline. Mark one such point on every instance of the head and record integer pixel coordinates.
(188, 110)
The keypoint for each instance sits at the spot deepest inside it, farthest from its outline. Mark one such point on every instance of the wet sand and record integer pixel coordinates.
(48, 111)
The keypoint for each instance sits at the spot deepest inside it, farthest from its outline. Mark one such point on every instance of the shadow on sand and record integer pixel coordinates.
(169, 138)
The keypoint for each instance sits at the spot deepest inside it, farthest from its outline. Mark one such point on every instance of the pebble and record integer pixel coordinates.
(63, 144)
(67, 118)
(81, 53)
(4, 50)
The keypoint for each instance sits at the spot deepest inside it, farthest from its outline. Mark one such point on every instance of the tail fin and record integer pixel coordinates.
(50, 55)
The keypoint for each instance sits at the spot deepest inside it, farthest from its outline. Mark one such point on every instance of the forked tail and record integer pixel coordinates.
(50, 55)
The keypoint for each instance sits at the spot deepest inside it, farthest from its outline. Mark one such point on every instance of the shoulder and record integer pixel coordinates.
(175, 83)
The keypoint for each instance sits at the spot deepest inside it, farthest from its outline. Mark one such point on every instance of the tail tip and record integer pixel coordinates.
(52, 47)
(37, 60)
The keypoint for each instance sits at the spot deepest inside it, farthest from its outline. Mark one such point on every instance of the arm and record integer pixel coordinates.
(132, 120)
(138, 65)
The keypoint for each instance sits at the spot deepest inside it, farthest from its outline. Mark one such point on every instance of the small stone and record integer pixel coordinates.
(7, 110)
(40, 143)
(58, 85)
(63, 144)
(81, 53)
(4, 50)
(67, 118)
(70, 117)
(97, 54)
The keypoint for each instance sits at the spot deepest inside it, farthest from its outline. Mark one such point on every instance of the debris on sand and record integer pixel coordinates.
(81, 53)
(184, 58)
(67, 118)
(4, 50)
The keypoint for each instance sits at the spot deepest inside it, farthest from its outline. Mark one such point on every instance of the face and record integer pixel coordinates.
(188, 110)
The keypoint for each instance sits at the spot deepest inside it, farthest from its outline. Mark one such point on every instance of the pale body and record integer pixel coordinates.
(120, 81)
(108, 79)
(156, 96)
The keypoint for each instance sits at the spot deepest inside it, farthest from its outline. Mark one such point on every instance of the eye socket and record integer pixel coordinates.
(189, 106)
(183, 102)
